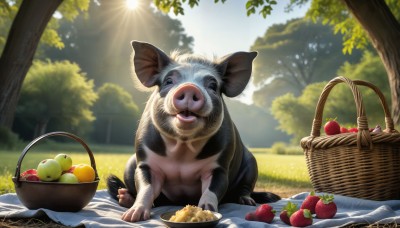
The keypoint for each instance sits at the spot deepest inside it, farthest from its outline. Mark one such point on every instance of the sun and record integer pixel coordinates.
(132, 4)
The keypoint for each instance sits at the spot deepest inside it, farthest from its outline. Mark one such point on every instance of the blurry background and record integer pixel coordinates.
(81, 79)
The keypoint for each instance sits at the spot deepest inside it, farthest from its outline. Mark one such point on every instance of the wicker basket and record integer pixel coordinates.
(364, 165)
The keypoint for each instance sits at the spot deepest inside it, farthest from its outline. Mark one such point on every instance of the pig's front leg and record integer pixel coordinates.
(214, 187)
(148, 188)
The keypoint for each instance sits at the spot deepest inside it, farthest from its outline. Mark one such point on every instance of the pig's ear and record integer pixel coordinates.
(148, 62)
(235, 70)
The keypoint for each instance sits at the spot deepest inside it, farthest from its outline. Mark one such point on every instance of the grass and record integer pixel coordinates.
(282, 174)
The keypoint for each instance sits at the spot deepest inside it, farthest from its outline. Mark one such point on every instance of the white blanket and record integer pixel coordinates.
(102, 211)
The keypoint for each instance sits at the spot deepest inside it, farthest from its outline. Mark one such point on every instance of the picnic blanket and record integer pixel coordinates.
(103, 211)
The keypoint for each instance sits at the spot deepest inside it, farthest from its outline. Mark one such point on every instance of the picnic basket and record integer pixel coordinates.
(64, 197)
(364, 164)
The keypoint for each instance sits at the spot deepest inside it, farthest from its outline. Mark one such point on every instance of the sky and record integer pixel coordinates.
(220, 29)
(225, 28)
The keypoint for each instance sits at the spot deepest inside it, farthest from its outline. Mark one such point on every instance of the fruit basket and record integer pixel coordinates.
(363, 164)
(55, 196)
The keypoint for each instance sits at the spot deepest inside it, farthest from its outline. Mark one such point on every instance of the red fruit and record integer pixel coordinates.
(325, 207)
(251, 216)
(287, 211)
(29, 175)
(301, 218)
(285, 217)
(332, 127)
(343, 130)
(29, 171)
(33, 177)
(353, 130)
(265, 213)
(310, 202)
(70, 170)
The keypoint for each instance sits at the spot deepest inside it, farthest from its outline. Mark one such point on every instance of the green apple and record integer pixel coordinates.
(64, 160)
(68, 178)
(49, 170)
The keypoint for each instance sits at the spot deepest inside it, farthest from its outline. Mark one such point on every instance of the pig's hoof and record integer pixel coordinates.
(247, 200)
(125, 198)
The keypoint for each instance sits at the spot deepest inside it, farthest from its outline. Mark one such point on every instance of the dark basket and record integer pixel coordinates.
(364, 165)
(52, 195)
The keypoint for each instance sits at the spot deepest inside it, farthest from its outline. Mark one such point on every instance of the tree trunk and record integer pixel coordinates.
(384, 31)
(17, 56)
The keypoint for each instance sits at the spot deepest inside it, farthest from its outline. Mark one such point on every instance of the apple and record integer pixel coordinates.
(68, 178)
(49, 170)
(64, 160)
(29, 175)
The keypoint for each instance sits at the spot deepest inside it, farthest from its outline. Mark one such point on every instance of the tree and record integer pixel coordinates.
(58, 96)
(22, 41)
(376, 20)
(340, 102)
(116, 115)
(100, 43)
(294, 55)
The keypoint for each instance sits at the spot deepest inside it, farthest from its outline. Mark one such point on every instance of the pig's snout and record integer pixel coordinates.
(188, 97)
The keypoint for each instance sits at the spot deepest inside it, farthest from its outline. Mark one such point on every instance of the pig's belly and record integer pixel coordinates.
(182, 192)
(182, 180)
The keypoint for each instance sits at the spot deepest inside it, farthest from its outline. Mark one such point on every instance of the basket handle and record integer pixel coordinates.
(57, 133)
(363, 135)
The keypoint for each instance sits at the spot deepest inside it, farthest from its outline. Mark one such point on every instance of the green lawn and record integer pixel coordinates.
(282, 174)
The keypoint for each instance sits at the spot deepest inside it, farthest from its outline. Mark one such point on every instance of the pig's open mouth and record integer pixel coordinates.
(187, 116)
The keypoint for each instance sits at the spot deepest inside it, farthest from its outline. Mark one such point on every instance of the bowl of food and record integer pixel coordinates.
(191, 216)
(56, 184)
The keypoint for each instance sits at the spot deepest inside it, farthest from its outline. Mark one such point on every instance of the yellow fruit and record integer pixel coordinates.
(84, 173)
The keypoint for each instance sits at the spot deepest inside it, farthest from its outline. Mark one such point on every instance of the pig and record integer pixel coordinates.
(187, 149)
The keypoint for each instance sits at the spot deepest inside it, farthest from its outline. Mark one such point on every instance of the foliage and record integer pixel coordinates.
(282, 148)
(68, 10)
(7, 13)
(371, 69)
(263, 132)
(293, 55)
(337, 15)
(100, 41)
(116, 115)
(340, 103)
(329, 12)
(8, 139)
(251, 5)
(55, 96)
(295, 114)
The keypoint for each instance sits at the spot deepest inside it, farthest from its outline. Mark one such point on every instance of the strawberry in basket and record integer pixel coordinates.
(332, 127)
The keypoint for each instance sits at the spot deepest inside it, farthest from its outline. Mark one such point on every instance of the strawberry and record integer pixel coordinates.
(301, 218)
(344, 130)
(325, 207)
(251, 216)
(310, 202)
(265, 213)
(353, 129)
(287, 211)
(332, 127)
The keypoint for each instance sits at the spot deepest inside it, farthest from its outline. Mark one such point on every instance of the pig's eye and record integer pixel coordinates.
(168, 81)
(213, 85)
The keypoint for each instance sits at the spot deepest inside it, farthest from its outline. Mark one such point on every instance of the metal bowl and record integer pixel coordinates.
(53, 195)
